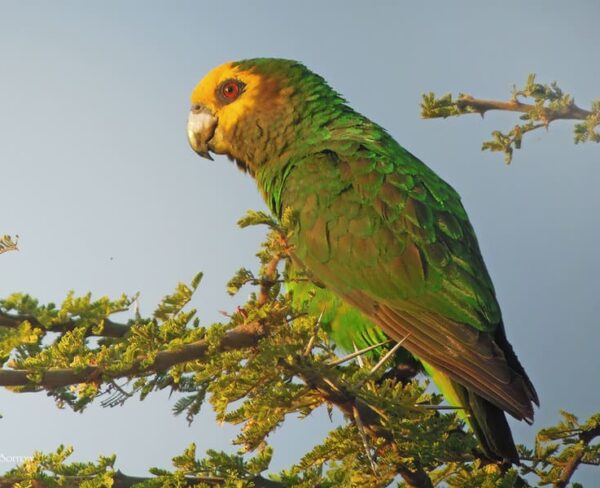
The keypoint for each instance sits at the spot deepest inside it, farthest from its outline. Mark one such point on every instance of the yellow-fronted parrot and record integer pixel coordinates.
(387, 238)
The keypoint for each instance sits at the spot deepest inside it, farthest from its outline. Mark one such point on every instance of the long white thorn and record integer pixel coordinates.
(357, 354)
(387, 356)
(359, 358)
(381, 361)
(427, 406)
(313, 337)
(363, 436)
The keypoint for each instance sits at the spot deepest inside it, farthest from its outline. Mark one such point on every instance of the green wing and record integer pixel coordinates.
(391, 238)
(350, 329)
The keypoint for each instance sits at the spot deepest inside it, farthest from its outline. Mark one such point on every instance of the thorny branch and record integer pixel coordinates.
(585, 438)
(549, 104)
(469, 104)
(109, 328)
(242, 336)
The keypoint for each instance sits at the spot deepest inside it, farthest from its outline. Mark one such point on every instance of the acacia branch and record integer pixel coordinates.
(469, 104)
(585, 438)
(109, 329)
(533, 459)
(549, 104)
(241, 337)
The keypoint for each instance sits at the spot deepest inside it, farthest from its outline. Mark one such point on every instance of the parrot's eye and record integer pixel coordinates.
(229, 90)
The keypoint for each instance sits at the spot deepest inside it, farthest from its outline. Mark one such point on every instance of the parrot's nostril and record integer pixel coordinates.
(198, 108)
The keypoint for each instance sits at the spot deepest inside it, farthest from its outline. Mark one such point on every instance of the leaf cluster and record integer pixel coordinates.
(7, 243)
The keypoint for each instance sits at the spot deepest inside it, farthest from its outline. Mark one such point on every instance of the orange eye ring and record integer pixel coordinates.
(230, 90)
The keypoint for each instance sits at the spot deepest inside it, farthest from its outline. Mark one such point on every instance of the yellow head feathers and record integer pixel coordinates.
(233, 106)
(206, 94)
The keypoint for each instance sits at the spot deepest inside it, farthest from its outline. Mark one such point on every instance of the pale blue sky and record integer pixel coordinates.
(95, 165)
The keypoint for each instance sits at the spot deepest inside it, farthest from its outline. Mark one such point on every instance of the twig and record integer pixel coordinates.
(270, 278)
(117, 397)
(469, 104)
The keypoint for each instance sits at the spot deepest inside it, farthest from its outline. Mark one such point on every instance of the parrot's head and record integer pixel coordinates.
(255, 109)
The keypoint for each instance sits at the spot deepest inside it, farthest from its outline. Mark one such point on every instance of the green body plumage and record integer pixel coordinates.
(383, 233)
(351, 330)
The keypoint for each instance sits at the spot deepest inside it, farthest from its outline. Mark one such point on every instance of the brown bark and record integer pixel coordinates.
(572, 112)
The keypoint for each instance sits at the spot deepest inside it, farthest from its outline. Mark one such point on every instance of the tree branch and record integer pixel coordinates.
(269, 278)
(469, 104)
(549, 104)
(110, 328)
(243, 336)
(585, 438)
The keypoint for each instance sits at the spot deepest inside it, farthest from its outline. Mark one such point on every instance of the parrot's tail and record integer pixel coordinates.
(487, 421)
(489, 425)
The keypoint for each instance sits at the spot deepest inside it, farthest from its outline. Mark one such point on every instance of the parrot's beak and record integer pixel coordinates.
(200, 129)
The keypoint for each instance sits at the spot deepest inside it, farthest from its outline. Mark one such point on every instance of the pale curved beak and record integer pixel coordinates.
(200, 129)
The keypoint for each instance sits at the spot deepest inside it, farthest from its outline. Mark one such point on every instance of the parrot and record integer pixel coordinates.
(387, 240)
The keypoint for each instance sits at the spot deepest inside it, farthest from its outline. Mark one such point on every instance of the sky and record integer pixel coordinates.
(106, 196)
